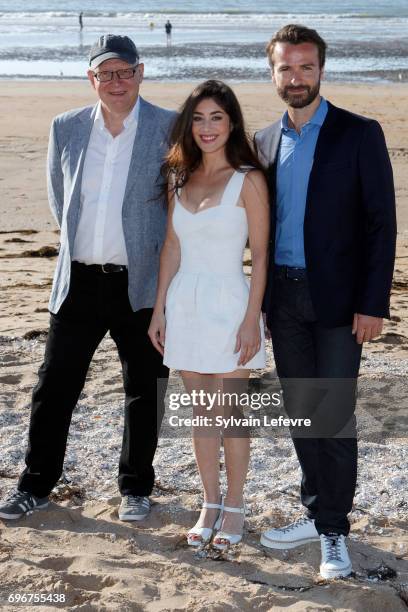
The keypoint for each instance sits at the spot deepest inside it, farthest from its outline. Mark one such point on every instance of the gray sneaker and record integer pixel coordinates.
(19, 503)
(134, 508)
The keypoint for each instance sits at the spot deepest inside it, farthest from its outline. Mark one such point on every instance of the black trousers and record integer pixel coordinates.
(305, 350)
(96, 303)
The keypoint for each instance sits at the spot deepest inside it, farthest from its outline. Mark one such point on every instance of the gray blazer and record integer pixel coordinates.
(143, 212)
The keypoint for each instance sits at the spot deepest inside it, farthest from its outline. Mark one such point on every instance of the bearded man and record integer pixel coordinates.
(332, 255)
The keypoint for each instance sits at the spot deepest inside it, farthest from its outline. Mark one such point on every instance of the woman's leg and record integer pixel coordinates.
(206, 445)
(236, 452)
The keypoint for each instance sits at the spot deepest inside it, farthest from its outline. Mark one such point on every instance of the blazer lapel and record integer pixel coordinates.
(327, 135)
(274, 143)
(79, 144)
(274, 152)
(146, 127)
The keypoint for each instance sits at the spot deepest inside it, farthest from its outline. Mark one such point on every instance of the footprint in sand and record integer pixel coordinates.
(57, 564)
(88, 582)
(83, 581)
(11, 379)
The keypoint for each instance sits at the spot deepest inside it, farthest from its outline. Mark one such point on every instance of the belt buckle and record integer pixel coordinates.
(291, 274)
(110, 268)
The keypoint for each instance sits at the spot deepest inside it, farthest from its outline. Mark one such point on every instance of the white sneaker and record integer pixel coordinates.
(300, 532)
(335, 558)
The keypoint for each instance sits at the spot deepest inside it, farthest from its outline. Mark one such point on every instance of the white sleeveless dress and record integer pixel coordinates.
(208, 297)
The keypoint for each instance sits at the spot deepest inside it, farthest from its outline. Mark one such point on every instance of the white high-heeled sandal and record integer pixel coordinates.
(205, 533)
(232, 538)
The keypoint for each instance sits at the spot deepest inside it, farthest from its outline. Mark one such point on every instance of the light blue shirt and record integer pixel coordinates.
(295, 163)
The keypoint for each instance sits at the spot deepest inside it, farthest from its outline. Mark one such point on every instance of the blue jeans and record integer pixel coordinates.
(305, 350)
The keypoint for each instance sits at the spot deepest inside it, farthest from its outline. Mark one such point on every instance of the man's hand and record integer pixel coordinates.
(366, 328)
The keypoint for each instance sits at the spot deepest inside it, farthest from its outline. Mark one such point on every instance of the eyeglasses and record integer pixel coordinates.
(107, 75)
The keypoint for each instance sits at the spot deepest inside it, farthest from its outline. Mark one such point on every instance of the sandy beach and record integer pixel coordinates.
(78, 548)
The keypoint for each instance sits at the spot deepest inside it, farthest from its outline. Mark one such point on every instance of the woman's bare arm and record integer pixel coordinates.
(256, 201)
(169, 264)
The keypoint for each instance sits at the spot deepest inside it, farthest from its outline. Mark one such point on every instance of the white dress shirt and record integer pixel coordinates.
(99, 238)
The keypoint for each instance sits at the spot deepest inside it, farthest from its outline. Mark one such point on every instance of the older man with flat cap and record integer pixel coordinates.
(105, 193)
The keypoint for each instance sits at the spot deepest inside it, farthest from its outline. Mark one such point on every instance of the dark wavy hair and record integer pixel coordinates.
(184, 156)
(296, 35)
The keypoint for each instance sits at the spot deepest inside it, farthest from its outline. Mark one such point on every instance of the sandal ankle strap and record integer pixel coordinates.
(210, 505)
(236, 510)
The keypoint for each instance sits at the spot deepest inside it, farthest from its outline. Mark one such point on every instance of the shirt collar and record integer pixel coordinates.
(133, 116)
(317, 119)
(131, 120)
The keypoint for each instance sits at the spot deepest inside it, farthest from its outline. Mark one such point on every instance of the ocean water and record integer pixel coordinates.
(368, 40)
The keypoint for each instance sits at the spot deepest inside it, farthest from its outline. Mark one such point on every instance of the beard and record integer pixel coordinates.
(301, 99)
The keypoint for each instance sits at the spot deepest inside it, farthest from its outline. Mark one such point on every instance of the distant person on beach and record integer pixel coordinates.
(207, 317)
(103, 168)
(333, 228)
(168, 28)
(80, 19)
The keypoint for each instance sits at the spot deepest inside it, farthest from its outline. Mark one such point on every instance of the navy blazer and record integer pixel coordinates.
(350, 220)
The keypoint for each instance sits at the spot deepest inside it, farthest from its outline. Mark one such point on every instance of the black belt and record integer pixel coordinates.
(290, 273)
(108, 268)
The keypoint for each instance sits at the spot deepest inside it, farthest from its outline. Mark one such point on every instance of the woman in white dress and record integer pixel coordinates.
(207, 321)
